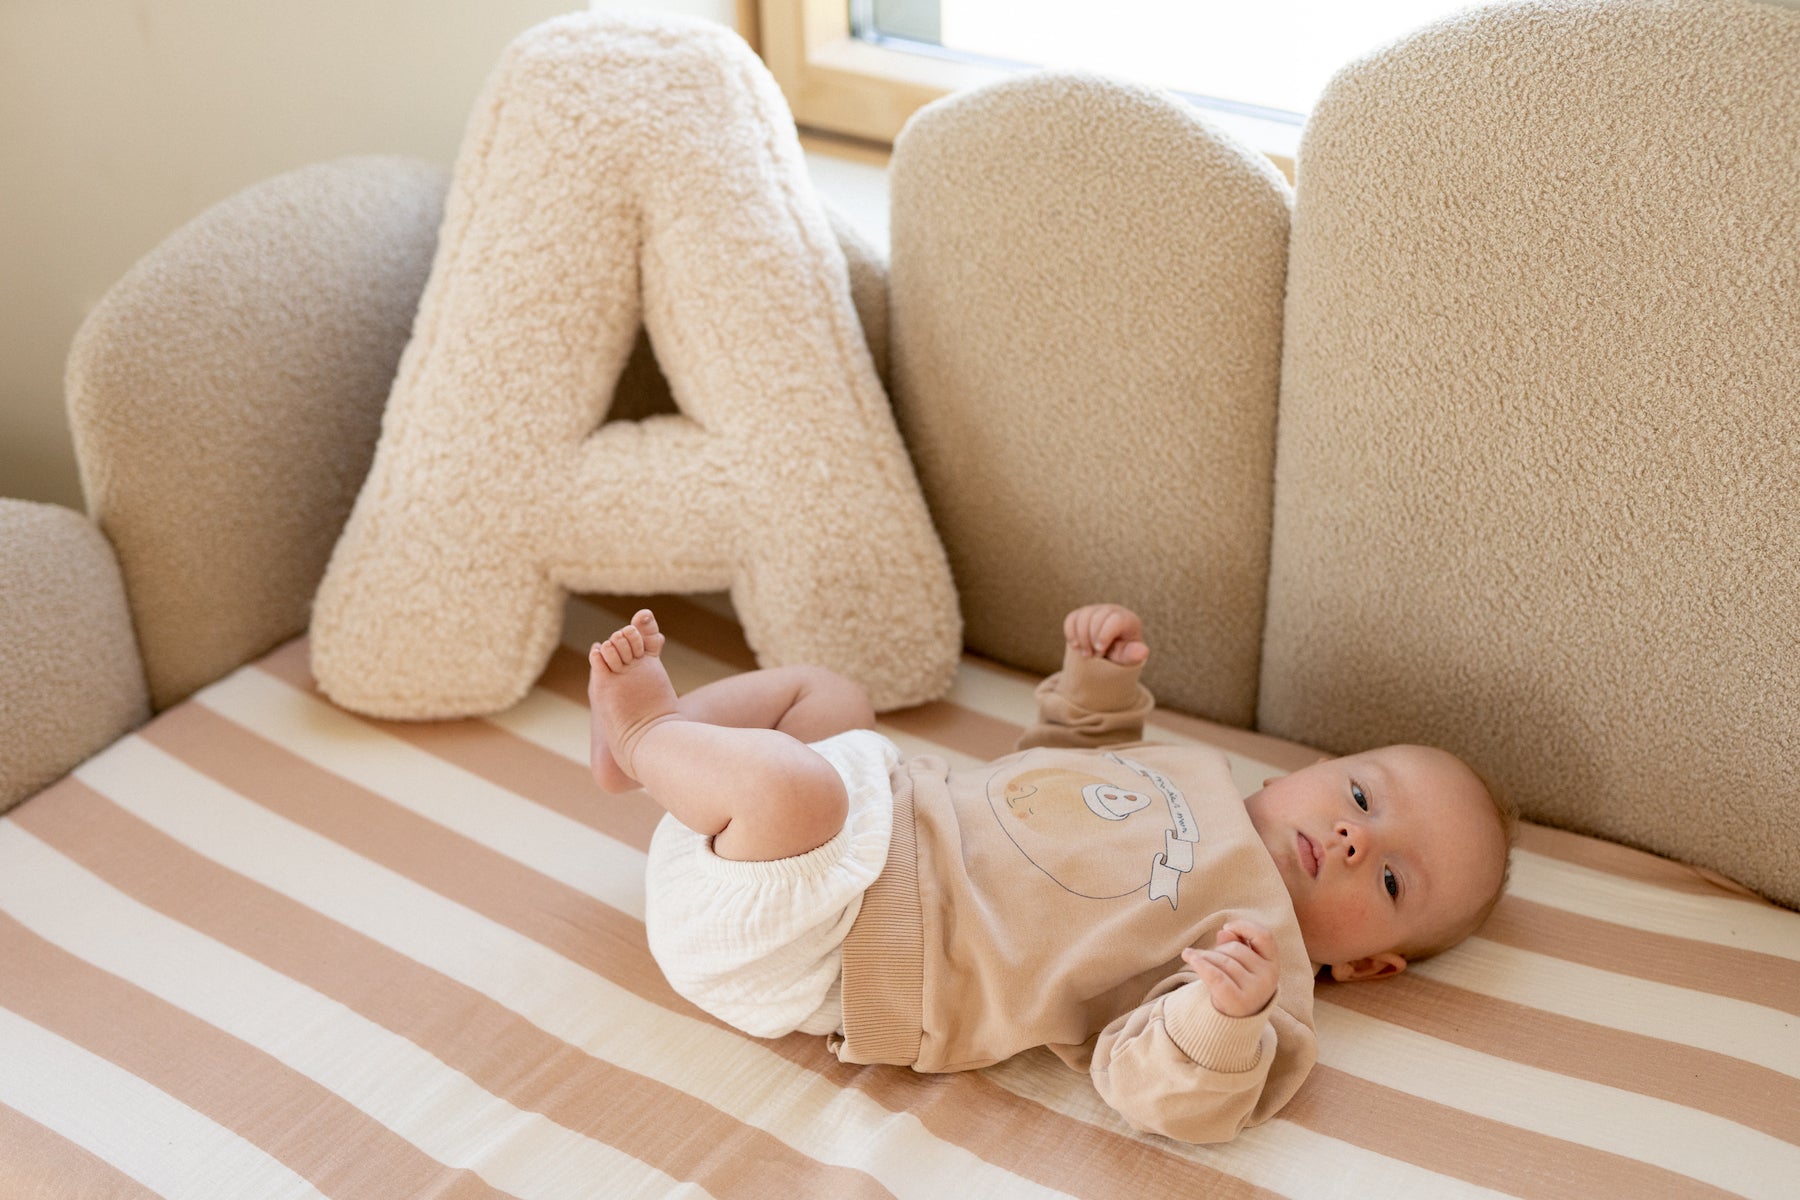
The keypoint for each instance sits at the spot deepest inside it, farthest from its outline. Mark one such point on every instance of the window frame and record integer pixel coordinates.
(837, 84)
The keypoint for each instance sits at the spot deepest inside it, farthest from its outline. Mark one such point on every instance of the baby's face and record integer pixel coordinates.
(1381, 851)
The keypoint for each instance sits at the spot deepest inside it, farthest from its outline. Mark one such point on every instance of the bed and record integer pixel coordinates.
(1481, 435)
(264, 947)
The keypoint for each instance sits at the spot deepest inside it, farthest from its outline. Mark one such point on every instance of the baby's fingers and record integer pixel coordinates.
(1211, 969)
(1082, 631)
(1235, 960)
(1121, 639)
(1250, 934)
(1228, 966)
(1093, 628)
(1229, 996)
(1087, 634)
(1078, 629)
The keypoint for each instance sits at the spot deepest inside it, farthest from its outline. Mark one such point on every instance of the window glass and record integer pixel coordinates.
(1270, 57)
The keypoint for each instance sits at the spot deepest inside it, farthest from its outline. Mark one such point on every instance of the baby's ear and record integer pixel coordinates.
(1381, 966)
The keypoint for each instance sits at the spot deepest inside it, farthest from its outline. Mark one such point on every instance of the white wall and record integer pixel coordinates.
(119, 121)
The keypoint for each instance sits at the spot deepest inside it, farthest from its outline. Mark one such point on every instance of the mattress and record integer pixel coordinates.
(265, 948)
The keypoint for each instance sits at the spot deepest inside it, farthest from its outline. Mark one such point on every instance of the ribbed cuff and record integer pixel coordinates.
(1215, 1041)
(1097, 683)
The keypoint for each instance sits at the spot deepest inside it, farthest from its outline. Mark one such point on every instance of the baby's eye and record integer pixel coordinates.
(1356, 794)
(1391, 883)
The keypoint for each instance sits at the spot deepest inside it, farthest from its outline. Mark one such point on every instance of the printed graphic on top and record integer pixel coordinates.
(1100, 838)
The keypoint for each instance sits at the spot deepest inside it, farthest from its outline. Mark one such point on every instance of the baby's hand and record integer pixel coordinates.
(1240, 971)
(1111, 630)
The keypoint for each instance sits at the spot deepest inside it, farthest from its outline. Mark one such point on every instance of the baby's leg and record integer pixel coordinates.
(810, 703)
(760, 793)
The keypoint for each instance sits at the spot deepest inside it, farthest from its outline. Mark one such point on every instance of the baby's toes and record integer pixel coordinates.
(644, 623)
(633, 641)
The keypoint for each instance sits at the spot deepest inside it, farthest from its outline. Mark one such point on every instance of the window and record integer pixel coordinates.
(860, 67)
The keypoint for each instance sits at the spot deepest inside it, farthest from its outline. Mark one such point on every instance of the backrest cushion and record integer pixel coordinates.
(1539, 448)
(1085, 308)
(225, 396)
(74, 681)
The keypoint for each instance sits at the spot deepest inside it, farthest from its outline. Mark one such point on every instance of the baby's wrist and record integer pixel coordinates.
(1209, 1037)
(1229, 1009)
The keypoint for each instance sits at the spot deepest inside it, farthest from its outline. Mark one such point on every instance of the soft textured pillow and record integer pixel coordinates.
(1086, 303)
(623, 172)
(74, 681)
(225, 397)
(1539, 448)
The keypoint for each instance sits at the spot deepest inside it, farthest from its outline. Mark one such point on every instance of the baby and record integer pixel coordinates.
(1114, 900)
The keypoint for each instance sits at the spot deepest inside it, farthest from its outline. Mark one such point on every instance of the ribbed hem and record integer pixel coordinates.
(884, 956)
(1211, 1039)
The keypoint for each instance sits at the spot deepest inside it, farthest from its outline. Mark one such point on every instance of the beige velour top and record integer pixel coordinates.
(1044, 900)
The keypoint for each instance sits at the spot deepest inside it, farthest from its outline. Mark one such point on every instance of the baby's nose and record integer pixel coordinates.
(1351, 838)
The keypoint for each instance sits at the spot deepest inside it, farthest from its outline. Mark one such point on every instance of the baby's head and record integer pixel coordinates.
(1391, 855)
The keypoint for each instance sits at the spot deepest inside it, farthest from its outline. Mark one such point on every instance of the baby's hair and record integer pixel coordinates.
(1506, 812)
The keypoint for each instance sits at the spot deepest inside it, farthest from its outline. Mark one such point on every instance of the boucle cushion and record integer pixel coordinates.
(618, 172)
(225, 397)
(1086, 288)
(74, 681)
(1535, 495)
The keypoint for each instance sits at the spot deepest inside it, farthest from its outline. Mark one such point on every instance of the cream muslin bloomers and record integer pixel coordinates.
(760, 944)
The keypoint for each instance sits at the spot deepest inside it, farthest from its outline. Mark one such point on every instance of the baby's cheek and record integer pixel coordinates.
(1336, 921)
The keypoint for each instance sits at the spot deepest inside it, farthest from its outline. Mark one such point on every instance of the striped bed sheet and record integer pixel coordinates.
(265, 948)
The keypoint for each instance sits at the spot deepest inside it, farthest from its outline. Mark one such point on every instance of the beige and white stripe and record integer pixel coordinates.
(263, 944)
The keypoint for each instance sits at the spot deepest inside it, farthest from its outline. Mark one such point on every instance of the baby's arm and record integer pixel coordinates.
(1194, 1060)
(1095, 700)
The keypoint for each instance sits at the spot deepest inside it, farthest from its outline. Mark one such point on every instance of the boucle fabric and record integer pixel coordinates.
(225, 396)
(1085, 292)
(74, 681)
(642, 391)
(1537, 468)
(618, 172)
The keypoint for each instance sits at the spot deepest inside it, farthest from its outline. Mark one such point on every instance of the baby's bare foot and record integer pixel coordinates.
(628, 691)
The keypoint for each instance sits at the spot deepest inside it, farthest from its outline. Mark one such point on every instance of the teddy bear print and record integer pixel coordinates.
(1096, 837)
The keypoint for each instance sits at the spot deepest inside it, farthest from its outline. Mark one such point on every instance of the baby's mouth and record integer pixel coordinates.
(1309, 854)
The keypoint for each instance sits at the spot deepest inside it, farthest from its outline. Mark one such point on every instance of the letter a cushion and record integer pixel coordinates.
(618, 172)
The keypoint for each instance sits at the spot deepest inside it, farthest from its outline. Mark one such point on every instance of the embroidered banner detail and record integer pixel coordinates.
(1177, 856)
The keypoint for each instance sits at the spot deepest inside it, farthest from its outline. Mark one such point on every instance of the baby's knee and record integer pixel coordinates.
(816, 803)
